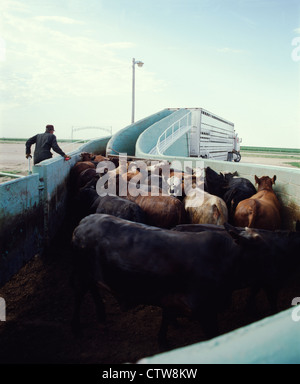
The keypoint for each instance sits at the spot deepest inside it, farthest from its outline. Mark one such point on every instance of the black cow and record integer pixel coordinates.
(214, 182)
(120, 207)
(183, 273)
(199, 228)
(86, 201)
(275, 260)
(87, 178)
(230, 188)
(274, 257)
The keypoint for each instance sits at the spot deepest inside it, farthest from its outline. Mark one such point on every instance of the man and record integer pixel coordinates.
(43, 143)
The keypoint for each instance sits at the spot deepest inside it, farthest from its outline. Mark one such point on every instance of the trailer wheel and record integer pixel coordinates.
(238, 157)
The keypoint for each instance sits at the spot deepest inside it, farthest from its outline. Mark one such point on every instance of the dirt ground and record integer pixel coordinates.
(39, 305)
(13, 160)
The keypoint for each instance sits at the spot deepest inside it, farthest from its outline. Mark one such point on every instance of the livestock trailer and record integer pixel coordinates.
(195, 132)
(33, 208)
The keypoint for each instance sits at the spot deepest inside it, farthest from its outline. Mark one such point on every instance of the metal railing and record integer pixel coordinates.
(172, 134)
(12, 175)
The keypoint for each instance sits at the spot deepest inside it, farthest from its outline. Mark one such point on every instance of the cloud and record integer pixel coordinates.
(58, 19)
(119, 45)
(15, 6)
(297, 30)
(44, 62)
(2, 49)
(232, 50)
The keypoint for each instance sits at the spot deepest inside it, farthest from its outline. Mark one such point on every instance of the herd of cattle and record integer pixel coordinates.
(184, 243)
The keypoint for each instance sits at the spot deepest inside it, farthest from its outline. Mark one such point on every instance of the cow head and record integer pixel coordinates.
(228, 176)
(215, 183)
(265, 182)
(244, 236)
(85, 156)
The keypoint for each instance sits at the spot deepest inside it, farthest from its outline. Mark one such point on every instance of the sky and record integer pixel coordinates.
(69, 63)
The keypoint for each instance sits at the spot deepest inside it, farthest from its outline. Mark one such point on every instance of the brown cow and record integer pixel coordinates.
(161, 211)
(86, 156)
(261, 210)
(76, 170)
(85, 178)
(81, 166)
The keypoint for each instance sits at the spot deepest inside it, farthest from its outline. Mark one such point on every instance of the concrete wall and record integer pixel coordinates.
(32, 209)
(180, 146)
(21, 224)
(273, 340)
(148, 139)
(125, 140)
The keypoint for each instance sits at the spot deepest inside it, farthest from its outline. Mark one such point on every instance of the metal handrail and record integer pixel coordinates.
(174, 133)
(13, 175)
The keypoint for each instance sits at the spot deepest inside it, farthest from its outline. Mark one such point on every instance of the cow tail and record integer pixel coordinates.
(219, 214)
(252, 213)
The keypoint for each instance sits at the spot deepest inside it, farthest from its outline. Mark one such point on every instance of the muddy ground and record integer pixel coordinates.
(39, 304)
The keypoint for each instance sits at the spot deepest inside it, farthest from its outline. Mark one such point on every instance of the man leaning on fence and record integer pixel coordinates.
(43, 144)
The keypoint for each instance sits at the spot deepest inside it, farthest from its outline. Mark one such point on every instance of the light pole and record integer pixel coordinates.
(140, 64)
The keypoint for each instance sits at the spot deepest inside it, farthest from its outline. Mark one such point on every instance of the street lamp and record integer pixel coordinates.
(140, 64)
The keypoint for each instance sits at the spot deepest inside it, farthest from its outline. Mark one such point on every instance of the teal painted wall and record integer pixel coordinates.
(180, 146)
(18, 195)
(32, 209)
(148, 139)
(21, 224)
(274, 340)
(124, 141)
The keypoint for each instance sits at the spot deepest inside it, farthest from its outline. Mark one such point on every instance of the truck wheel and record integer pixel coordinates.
(238, 157)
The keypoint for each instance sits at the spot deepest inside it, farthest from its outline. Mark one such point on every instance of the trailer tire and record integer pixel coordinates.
(238, 158)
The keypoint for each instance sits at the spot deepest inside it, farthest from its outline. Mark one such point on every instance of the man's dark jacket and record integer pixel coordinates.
(43, 143)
